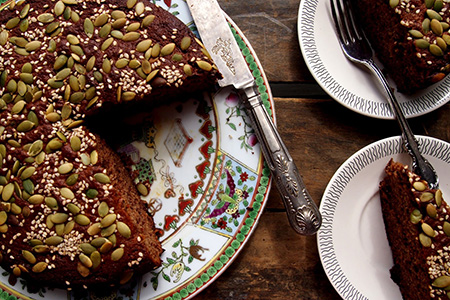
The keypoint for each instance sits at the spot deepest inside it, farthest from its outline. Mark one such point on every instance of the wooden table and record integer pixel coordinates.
(321, 134)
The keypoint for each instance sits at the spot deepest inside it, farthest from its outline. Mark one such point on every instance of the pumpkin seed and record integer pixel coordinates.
(103, 209)
(438, 197)
(18, 107)
(59, 8)
(51, 46)
(72, 39)
(23, 25)
(167, 49)
(96, 259)
(204, 65)
(65, 168)
(429, 3)
(438, 4)
(142, 189)
(53, 240)
(425, 240)
(107, 43)
(143, 45)
(107, 245)
(53, 117)
(419, 186)
(446, 228)
(108, 230)
(52, 27)
(119, 23)
(108, 220)
(433, 15)
(117, 14)
(72, 179)
(82, 220)
(3, 217)
(46, 18)
(156, 49)
(102, 178)
(416, 33)
(101, 20)
(67, 193)
(147, 20)
(87, 248)
(106, 66)
(83, 270)
(428, 230)
(105, 30)
(27, 173)
(8, 191)
(94, 157)
(52, 203)
(117, 254)
(139, 8)
(133, 26)
(95, 229)
(26, 78)
(121, 63)
(131, 3)
(76, 97)
(131, 36)
(12, 23)
(4, 228)
(128, 96)
(441, 282)
(39, 267)
(41, 248)
(88, 27)
(126, 276)
(436, 27)
(124, 230)
(77, 50)
(98, 242)
(91, 193)
(3, 37)
(85, 260)
(25, 126)
(146, 67)
(59, 218)
(69, 227)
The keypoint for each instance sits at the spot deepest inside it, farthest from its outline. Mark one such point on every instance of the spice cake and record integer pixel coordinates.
(410, 37)
(70, 214)
(417, 223)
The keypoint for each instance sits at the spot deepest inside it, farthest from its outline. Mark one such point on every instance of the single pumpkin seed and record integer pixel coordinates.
(441, 43)
(119, 23)
(102, 178)
(25, 126)
(87, 248)
(72, 39)
(103, 209)
(69, 227)
(53, 117)
(117, 254)
(144, 45)
(148, 20)
(122, 63)
(12, 23)
(59, 218)
(425, 240)
(23, 25)
(204, 65)
(429, 3)
(441, 282)
(94, 157)
(167, 49)
(75, 143)
(446, 228)
(59, 8)
(416, 33)
(131, 3)
(67, 193)
(139, 8)
(77, 50)
(117, 14)
(108, 220)
(53, 240)
(426, 196)
(3, 217)
(65, 168)
(52, 27)
(433, 15)
(101, 20)
(117, 34)
(436, 27)
(52, 203)
(105, 30)
(142, 189)
(3, 37)
(82, 220)
(29, 256)
(108, 230)
(85, 260)
(419, 186)
(124, 230)
(107, 245)
(27, 173)
(428, 230)
(88, 27)
(39, 267)
(107, 43)
(96, 259)
(438, 4)
(72, 179)
(106, 65)
(131, 36)
(8, 191)
(18, 107)
(94, 229)
(146, 67)
(98, 242)
(128, 96)
(26, 78)
(91, 193)
(133, 26)
(51, 46)
(73, 208)
(126, 276)
(41, 249)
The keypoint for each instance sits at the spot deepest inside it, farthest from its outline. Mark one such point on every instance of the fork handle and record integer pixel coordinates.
(410, 141)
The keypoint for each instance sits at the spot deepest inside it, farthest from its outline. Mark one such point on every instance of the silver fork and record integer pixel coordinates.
(357, 49)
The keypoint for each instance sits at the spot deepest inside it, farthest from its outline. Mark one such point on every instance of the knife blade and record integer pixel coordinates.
(218, 39)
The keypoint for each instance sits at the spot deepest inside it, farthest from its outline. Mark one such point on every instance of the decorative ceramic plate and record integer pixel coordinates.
(352, 243)
(350, 85)
(201, 162)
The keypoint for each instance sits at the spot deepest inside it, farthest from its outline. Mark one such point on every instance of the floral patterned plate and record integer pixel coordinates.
(207, 182)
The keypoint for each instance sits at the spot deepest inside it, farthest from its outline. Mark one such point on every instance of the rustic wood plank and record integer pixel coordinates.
(271, 28)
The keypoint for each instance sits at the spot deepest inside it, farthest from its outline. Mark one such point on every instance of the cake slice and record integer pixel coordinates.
(417, 223)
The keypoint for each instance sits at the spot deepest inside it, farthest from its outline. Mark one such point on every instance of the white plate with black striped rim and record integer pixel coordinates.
(352, 242)
(347, 83)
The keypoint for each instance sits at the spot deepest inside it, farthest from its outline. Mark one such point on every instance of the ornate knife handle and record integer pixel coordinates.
(301, 210)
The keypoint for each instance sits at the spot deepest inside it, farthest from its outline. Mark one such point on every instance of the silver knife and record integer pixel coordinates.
(218, 39)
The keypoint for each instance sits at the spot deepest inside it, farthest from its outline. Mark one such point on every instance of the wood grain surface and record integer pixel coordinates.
(321, 134)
